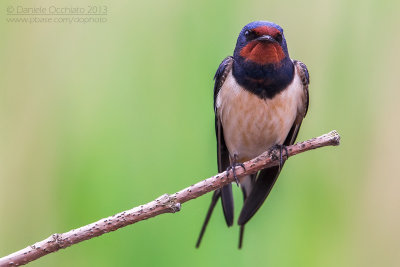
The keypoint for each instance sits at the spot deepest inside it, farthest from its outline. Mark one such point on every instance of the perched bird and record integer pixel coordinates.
(260, 100)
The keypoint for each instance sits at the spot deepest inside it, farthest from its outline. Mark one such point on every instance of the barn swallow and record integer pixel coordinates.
(260, 100)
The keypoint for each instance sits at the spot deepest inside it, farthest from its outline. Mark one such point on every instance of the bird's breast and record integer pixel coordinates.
(251, 124)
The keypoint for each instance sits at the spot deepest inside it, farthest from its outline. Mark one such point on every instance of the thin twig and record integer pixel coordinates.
(164, 204)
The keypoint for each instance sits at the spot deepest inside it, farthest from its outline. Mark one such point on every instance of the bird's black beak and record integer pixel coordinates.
(266, 38)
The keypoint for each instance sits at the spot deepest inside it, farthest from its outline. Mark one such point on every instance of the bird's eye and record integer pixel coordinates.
(250, 35)
(278, 37)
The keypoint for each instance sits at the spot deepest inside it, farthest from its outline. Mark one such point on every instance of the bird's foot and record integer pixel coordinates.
(233, 168)
(281, 148)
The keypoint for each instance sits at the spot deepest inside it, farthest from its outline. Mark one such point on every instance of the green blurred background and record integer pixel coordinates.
(97, 118)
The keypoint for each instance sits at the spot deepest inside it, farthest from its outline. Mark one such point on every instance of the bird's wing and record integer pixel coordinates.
(267, 177)
(222, 150)
(305, 79)
(222, 153)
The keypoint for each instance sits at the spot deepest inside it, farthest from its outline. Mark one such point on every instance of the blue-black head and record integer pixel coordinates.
(261, 59)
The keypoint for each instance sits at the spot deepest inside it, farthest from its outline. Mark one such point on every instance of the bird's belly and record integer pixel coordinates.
(252, 125)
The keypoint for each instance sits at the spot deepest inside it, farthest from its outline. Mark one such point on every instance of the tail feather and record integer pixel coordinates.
(227, 203)
(241, 233)
(214, 201)
(260, 191)
(247, 184)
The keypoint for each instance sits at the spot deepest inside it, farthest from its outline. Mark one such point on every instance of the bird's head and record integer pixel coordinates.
(261, 43)
(261, 60)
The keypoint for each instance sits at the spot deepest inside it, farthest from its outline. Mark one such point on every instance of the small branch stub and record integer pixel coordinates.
(164, 204)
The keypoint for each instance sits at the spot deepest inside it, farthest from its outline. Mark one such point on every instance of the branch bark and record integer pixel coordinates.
(164, 204)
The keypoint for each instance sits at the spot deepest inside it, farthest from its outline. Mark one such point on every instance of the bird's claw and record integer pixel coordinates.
(233, 168)
(281, 148)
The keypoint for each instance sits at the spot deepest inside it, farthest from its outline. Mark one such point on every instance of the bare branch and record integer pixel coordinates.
(164, 204)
